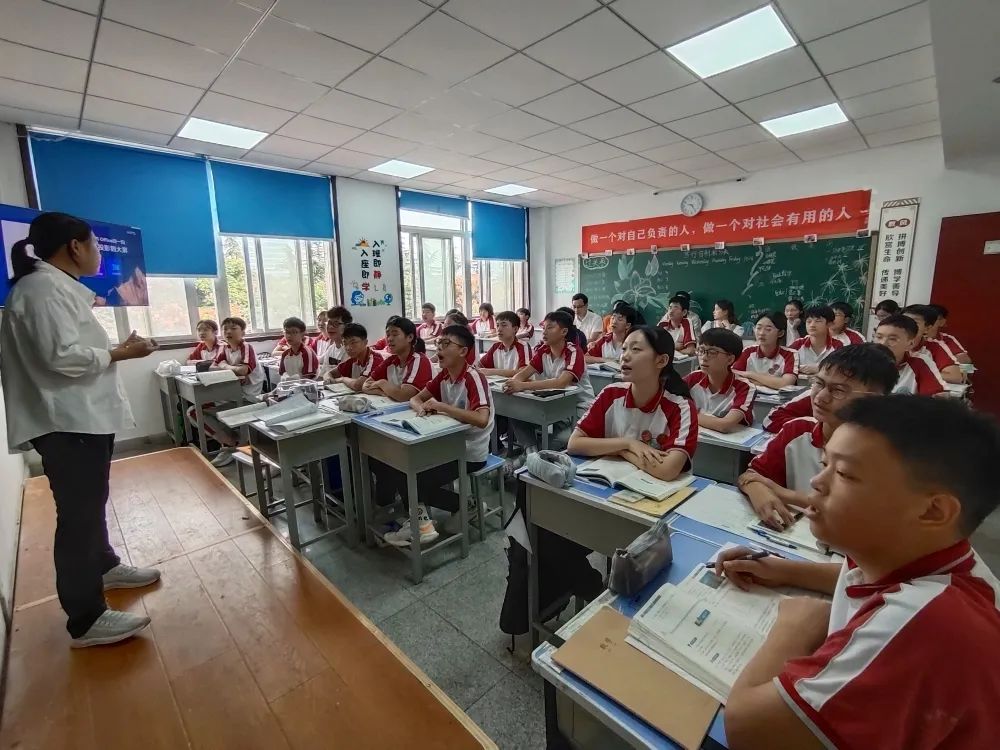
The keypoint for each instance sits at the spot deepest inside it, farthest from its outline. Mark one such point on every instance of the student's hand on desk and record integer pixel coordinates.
(645, 453)
(768, 571)
(430, 406)
(513, 386)
(371, 386)
(772, 512)
(807, 618)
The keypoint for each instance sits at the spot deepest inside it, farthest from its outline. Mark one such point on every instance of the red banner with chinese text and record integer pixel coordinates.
(837, 213)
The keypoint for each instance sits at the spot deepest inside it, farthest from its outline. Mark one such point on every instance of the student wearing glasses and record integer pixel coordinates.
(725, 403)
(769, 363)
(330, 348)
(608, 348)
(840, 327)
(779, 478)
(407, 370)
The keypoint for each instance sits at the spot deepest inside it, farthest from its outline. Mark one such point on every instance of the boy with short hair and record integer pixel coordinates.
(585, 319)
(725, 403)
(839, 328)
(429, 328)
(916, 374)
(812, 348)
(679, 326)
(236, 355)
(926, 317)
(952, 344)
(780, 476)
(361, 361)
(507, 355)
(914, 622)
(298, 360)
(331, 350)
(608, 347)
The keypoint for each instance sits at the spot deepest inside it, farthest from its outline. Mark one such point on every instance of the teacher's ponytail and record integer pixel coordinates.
(47, 234)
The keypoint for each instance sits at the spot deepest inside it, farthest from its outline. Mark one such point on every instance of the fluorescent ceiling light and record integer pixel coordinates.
(402, 169)
(511, 189)
(741, 41)
(810, 119)
(217, 132)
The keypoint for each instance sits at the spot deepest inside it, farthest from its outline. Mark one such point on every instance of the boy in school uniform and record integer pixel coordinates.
(331, 350)
(800, 406)
(952, 344)
(818, 342)
(768, 363)
(507, 355)
(608, 347)
(361, 359)
(780, 476)
(298, 360)
(679, 326)
(725, 403)
(907, 653)
(207, 348)
(429, 327)
(840, 327)
(916, 374)
(925, 317)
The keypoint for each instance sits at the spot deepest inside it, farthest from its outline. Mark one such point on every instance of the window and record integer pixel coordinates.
(106, 317)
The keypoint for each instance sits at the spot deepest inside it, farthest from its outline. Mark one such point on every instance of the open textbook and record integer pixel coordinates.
(216, 376)
(742, 436)
(242, 415)
(617, 472)
(426, 425)
(339, 389)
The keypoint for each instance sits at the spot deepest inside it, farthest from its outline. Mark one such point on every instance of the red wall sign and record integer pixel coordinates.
(837, 213)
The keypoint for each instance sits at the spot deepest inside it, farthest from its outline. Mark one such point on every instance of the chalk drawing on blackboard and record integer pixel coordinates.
(637, 289)
(595, 264)
(755, 268)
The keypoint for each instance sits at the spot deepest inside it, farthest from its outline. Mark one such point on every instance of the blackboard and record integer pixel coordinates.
(756, 278)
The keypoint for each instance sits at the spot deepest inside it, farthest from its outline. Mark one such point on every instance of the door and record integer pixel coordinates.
(966, 281)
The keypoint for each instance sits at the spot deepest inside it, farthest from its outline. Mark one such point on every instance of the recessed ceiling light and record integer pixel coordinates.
(402, 169)
(511, 189)
(741, 41)
(217, 132)
(810, 119)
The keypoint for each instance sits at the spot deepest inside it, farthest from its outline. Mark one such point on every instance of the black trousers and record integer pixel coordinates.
(78, 467)
(430, 484)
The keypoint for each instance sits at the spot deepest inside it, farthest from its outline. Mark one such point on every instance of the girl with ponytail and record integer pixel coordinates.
(648, 419)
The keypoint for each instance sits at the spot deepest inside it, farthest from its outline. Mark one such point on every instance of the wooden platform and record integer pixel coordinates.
(250, 646)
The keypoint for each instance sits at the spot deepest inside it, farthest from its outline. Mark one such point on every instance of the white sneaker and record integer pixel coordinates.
(401, 538)
(127, 577)
(453, 524)
(111, 627)
(224, 458)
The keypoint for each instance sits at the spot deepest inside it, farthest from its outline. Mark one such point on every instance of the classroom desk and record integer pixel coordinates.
(763, 404)
(411, 454)
(170, 405)
(722, 461)
(271, 375)
(190, 390)
(601, 379)
(684, 364)
(529, 408)
(485, 342)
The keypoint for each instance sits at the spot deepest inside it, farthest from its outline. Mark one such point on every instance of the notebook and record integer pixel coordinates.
(655, 508)
(339, 389)
(216, 376)
(316, 419)
(426, 425)
(741, 437)
(242, 415)
(616, 472)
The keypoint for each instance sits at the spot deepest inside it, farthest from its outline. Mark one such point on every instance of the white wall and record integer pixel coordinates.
(905, 171)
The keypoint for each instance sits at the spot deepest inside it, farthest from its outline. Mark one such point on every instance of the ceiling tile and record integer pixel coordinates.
(447, 49)
(548, 164)
(683, 102)
(339, 170)
(553, 199)
(882, 74)
(570, 104)
(241, 113)
(348, 109)
(672, 182)
(385, 179)
(44, 68)
(136, 88)
(442, 177)
(419, 185)
(616, 122)
(906, 95)
(651, 175)
(453, 190)
(840, 132)
(346, 158)
(469, 142)
(87, 6)
(835, 148)
(475, 183)
(899, 118)
(641, 79)
(208, 149)
(798, 98)
(266, 86)
(674, 151)
(517, 80)
(218, 25)
(154, 55)
(777, 71)
(515, 125)
(548, 182)
(590, 46)
(279, 145)
(392, 83)
(557, 141)
(626, 163)
(646, 139)
(519, 22)
(306, 128)
(369, 24)
(669, 22)
(759, 155)
(714, 121)
(609, 182)
(715, 174)
(381, 145)
(49, 27)
(41, 119)
(274, 160)
(415, 127)
(577, 174)
(630, 187)
(594, 152)
(591, 193)
(106, 130)
(815, 18)
(301, 52)
(703, 161)
(898, 32)
(734, 137)
(508, 175)
(513, 154)
(462, 108)
(474, 165)
(901, 135)
(132, 115)
(39, 98)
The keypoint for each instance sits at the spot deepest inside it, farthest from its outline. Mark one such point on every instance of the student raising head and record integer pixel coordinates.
(207, 348)
(780, 476)
(298, 360)
(525, 328)
(648, 419)
(236, 355)
(407, 370)
(952, 344)
(507, 355)
(429, 328)
(769, 363)
(679, 326)
(904, 482)
(724, 316)
(485, 324)
(330, 347)
(795, 325)
(926, 316)
(608, 348)
(885, 308)
(457, 318)
(725, 403)
(818, 341)
(916, 374)
(840, 327)
(361, 360)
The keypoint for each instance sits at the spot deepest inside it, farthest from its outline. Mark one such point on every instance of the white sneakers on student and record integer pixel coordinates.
(402, 537)
(224, 458)
(127, 577)
(111, 627)
(453, 524)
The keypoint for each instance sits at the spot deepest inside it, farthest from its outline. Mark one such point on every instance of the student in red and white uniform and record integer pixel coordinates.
(795, 324)
(648, 419)
(725, 403)
(525, 328)
(952, 344)
(800, 406)
(430, 327)
(915, 610)
(236, 355)
(818, 342)
(361, 360)
(407, 370)
(556, 363)
(935, 351)
(207, 348)
(486, 324)
(840, 327)
(724, 316)
(780, 476)
(331, 350)
(457, 318)
(298, 360)
(320, 328)
(608, 348)
(679, 326)
(916, 374)
(508, 355)
(769, 363)
(462, 393)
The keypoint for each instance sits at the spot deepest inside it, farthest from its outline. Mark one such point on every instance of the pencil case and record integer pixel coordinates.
(552, 467)
(639, 563)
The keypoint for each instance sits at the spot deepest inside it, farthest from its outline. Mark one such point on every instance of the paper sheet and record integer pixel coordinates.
(738, 437)
(721, 508)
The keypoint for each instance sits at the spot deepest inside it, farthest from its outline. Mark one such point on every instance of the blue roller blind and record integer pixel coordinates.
(445, 205)
(498, 232)
(165, 195)
(268, 202)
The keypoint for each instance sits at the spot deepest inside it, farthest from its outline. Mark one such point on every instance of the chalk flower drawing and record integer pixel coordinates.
(637, 289)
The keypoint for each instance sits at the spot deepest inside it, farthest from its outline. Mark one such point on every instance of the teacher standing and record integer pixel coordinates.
(64, 399)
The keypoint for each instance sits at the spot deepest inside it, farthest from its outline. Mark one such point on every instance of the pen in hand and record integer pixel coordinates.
(758, 555)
